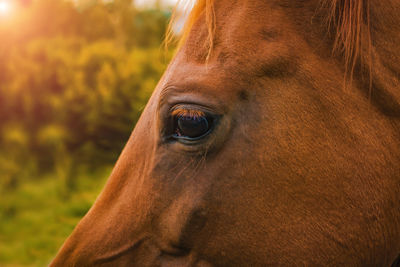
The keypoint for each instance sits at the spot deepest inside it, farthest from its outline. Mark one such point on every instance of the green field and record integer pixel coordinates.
(36, 217)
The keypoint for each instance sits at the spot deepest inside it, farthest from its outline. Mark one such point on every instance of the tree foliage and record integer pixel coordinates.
(74, 78)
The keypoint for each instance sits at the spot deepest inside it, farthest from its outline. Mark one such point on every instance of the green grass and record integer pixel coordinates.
(38, 216)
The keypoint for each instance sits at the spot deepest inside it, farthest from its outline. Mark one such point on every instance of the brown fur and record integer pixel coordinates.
(347, 19)
(298, 170)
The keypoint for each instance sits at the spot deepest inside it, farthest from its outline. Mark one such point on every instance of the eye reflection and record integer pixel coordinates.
(190, 123)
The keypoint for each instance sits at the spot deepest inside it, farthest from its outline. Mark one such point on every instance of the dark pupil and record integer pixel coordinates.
(192, 127)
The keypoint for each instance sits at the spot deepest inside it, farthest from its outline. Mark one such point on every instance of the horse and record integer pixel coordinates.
(272, 139)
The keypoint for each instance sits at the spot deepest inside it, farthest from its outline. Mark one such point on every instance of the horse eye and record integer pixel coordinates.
(191, 124)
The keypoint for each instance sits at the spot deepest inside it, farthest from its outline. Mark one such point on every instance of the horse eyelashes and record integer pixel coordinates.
(187, 112)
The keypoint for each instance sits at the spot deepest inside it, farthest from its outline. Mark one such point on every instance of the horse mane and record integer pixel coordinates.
(351, 25)
(348, 20)
(196, 10)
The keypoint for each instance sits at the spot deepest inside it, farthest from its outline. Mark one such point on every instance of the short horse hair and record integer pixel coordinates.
(348, 20)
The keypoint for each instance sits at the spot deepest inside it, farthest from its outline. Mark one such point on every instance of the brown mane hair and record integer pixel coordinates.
(349, 20)
(197, 9)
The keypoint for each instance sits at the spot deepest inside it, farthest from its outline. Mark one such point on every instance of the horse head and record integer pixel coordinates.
(273, 138)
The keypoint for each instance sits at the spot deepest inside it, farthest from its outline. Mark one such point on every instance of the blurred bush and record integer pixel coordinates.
(74, 78)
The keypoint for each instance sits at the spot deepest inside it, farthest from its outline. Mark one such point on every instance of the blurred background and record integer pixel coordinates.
(74, 78)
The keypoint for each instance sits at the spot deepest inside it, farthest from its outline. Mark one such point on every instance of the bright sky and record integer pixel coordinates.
(145, 3)
(5, 7)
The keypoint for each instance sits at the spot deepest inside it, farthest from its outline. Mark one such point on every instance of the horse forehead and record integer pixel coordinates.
(247, 37)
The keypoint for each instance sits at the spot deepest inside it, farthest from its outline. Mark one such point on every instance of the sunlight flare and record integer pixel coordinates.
(5, 7)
